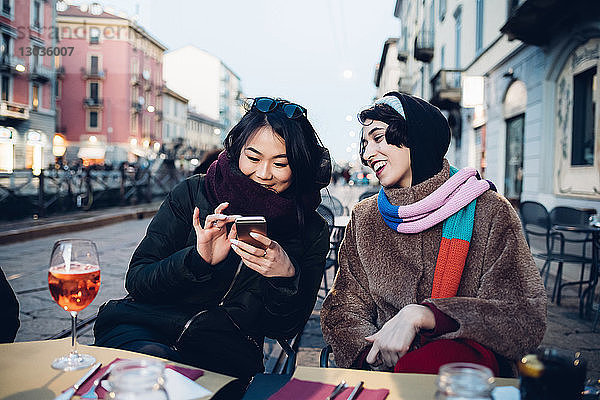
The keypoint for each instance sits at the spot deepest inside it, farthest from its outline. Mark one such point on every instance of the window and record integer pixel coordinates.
(35, 96)
(134, 122)
(585, 86)
(443, 57)
(442, 9)
(93, 119)
(5, 88)
(479, 27)
(94, 65)
(94, 91)
(457, 35)
(37, 14)
(37, 59)
(5, 48)
(6, 8)
(94, 35)
(57, 87)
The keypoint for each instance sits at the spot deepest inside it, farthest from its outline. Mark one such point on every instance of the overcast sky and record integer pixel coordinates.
(298, 50)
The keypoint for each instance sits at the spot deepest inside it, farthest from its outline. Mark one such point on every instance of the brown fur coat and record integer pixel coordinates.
(501, 301)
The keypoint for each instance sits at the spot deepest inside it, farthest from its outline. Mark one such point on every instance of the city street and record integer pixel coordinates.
(25, 264)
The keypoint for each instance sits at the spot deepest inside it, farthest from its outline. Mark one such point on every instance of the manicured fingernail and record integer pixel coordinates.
(233, 242)
(254, 235)
(233, 246)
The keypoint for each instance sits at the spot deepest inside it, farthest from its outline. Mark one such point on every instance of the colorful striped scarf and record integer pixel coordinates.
(454, 203)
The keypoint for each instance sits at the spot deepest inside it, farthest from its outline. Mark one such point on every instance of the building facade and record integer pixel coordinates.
(110, 89)
(174, 117)
(517, 82)
(27, 82)
(212, 88)
(202, 133)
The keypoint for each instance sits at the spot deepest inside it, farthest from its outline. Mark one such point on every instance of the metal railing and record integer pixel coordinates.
(24, 194)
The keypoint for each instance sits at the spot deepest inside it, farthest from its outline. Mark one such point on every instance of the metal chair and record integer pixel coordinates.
(536, 222)
(367, 193)
(334, 204)
(324, 358)
(327, 214)
(573, 216)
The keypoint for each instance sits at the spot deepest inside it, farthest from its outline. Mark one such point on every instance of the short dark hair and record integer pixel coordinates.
(302, 144)
(396, 132)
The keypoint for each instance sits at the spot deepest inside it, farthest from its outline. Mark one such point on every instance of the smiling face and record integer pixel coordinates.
(390, 163)
(263, 159)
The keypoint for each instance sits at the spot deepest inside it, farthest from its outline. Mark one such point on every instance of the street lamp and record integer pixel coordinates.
(59, 145)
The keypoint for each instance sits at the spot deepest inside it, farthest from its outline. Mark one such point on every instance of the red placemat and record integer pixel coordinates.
(308, 390)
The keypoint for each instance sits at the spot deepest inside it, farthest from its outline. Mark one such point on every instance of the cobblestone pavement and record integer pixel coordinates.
(25, 265)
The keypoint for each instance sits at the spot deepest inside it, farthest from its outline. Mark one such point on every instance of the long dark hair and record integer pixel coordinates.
(302, 144)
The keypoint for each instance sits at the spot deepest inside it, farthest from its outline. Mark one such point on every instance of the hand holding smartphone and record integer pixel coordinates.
(245, 225)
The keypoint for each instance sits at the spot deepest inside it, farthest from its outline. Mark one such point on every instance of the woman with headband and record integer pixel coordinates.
(199, 296)
(435, 268)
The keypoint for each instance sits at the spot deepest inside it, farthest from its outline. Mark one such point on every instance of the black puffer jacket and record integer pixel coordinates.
(175, 297)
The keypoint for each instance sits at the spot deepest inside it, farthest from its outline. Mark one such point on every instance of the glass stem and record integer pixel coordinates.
(73, 332)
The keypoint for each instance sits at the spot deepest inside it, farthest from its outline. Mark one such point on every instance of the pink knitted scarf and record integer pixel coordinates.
(457, 192)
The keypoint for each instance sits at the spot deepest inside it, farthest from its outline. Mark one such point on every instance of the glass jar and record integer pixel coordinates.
(458, 381)
(552, 374)
(138, 379)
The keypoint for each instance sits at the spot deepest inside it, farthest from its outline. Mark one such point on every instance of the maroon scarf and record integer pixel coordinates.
(224, 182)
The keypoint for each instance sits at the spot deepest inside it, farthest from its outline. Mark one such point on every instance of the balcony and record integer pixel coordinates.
(93, 102)
(136, 107)
(8, 63)
(135, 79)
(41, 73)
(93, 73)
(424, 46)
(536, 22)
(446, 89)
(12, 110)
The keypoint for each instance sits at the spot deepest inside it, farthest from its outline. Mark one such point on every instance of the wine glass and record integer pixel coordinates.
(74, 280)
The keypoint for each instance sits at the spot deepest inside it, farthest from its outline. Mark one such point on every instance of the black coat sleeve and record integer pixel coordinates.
(162, 264)
(9, 311)
(290, 301)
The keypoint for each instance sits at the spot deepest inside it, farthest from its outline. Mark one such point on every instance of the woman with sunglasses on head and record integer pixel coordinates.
(199, 296)
(434, 269)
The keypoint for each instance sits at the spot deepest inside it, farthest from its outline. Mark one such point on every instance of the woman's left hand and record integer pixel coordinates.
(394, 339)
(272, 262)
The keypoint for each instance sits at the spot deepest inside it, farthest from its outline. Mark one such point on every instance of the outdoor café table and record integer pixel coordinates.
(25, 371)
(587, 297)
(401, 386)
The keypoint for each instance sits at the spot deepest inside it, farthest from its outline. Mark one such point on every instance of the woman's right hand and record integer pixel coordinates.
(212, 240)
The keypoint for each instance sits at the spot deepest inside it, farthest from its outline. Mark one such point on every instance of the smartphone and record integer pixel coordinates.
(245, 225)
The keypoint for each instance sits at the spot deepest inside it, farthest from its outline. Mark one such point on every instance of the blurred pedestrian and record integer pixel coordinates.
(435, 269)
(199, 296)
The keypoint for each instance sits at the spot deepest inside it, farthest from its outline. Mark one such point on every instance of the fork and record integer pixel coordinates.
(91, 394)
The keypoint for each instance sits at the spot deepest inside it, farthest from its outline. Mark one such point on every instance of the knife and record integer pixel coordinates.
(67, 394)
(337, 390)
(356, 391)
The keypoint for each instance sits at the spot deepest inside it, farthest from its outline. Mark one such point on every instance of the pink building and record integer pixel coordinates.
(109, 101)
(27, 79)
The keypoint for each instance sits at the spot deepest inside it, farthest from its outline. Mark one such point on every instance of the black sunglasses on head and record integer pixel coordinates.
(267, 104)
